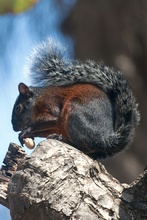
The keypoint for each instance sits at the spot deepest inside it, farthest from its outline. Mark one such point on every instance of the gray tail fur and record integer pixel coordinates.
(50, 68)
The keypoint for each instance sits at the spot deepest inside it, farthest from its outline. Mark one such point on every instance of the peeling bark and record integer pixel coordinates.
(59, 182)
(13, 156)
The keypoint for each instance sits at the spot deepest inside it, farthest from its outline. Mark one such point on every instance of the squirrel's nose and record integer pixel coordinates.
(15, 128)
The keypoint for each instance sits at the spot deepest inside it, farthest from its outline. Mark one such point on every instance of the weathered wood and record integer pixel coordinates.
(13, 157)
(3, 191)
(59, 182)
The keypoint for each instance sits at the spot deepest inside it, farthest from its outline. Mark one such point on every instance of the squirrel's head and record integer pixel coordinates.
(21, 115)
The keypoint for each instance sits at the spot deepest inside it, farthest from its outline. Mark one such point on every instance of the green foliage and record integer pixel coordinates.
(15, 6)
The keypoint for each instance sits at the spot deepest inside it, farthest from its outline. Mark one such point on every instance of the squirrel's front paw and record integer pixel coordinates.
(25, 134)
(58, 137)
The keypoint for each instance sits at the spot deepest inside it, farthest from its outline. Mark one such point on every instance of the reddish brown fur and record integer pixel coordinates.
(57, 105)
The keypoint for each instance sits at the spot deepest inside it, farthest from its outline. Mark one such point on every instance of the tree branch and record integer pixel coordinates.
(13, 156)
(59, 182)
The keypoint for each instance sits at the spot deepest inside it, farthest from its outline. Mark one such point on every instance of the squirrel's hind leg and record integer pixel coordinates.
(91, 125)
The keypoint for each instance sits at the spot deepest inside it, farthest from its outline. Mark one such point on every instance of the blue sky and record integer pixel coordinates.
(18, 34)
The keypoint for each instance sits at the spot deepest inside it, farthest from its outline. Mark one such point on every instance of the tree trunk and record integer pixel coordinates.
(59, 182)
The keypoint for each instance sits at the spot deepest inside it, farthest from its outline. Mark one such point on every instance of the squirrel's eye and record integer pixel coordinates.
(18, 109)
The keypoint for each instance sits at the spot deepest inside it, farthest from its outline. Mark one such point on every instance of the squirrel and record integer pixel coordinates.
(85, 103)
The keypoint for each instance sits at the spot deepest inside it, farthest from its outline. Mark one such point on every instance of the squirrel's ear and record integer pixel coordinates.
(23, 89)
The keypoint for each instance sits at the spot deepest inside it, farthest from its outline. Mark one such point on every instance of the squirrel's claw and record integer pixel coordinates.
(21, 140)
(25, 134)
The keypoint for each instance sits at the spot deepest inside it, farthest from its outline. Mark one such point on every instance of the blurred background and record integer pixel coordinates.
(114, 30)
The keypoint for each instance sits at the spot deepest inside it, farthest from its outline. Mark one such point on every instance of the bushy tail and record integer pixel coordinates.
(49, 68)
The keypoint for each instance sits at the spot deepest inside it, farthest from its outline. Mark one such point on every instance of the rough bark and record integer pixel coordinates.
(13, 156)
(59, 182)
